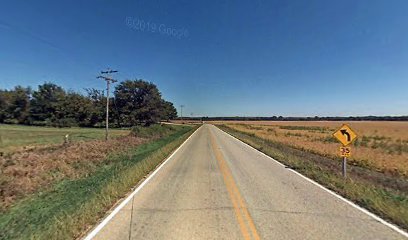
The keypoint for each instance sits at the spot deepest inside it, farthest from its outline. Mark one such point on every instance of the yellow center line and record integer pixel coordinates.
(241, 211)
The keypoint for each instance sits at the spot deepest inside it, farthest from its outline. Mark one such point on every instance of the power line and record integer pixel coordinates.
(108, 80)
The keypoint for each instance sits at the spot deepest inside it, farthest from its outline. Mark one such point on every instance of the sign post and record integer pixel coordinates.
(344, 167)
(346, 136)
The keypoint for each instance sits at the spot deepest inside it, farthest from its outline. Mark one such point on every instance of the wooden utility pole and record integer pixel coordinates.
(108, 80)
(181, 113)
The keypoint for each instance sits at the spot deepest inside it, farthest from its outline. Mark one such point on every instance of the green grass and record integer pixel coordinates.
(155, 130)
(372, 190)
(15, 136)
(69, 207)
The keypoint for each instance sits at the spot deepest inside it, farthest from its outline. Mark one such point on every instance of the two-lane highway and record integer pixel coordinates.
(216, 187)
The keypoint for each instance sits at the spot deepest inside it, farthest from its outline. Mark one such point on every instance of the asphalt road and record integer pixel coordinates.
(216, 187)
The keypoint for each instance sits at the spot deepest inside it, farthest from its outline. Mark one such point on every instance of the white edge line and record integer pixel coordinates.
(379, 219)
(122, 204)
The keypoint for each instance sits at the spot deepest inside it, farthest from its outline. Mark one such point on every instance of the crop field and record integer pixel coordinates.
(381, 146)
(18, 137)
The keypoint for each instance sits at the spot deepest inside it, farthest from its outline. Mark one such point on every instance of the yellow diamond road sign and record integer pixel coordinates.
(345, 135)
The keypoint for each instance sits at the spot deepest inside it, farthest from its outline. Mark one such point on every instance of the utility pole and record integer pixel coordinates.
(108, 80)
(181, 112)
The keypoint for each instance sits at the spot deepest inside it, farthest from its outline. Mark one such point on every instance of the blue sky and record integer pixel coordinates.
(230, 58)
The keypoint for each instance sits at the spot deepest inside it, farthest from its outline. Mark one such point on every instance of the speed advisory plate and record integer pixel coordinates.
(345, 151)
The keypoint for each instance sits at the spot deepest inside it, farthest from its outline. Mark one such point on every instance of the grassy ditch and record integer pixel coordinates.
(384, 195)
(72, 206)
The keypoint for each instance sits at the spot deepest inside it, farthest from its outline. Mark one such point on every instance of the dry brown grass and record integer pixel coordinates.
(28, 171)
(382, 146)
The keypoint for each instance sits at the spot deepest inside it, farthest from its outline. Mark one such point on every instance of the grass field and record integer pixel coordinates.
(382, 146)
(16, 137)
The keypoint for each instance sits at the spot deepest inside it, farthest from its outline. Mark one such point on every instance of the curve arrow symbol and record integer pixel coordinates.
(344, 132)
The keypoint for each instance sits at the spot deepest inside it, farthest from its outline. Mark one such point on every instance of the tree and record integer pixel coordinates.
(138, 102)
(98, 103)
(20, 104)
(5, 102)
(169, 111)
(46, 103)
(15, 105)
(75, 110)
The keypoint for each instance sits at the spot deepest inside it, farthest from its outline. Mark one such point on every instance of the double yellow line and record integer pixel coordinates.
(245, 221)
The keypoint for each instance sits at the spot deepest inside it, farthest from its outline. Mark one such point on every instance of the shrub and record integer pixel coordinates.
(155, 130)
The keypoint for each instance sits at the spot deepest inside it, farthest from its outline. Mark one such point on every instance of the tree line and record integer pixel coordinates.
(315, 118)
(134, 102)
